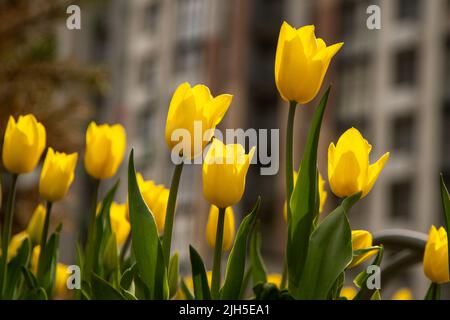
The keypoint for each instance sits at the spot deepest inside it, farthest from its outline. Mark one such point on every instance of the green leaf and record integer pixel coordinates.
(173, 274)
(376, 295)
(145, 239)
(47, 263)
(30, 279)
(258, 268)
(446, 206)
(330, 251)
(303, 201)
(433, 292)
(236, 261)
(126, 279)
(269, 291)
(360, 281)
(186, 291)
(36, 294)
(199, 278)
(102, 290)
(15, 276)
(335, 291)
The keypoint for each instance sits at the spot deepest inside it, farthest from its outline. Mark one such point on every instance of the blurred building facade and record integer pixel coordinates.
(390, 83)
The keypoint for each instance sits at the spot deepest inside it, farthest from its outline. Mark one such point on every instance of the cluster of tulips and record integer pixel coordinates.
(127, 254)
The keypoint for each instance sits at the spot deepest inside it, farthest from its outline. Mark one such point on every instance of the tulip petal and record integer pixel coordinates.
(374, 172)
(217, 108)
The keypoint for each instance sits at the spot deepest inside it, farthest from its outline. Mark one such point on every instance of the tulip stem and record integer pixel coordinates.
(170, 213)
(46, 225)
(90, 246)
(124, 250)
(7, 228)
(215, 281)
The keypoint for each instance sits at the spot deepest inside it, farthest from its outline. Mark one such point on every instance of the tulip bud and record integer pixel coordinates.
(110, 258)
(301, 63)
(36, 224)
(156, 198)
(361, 239)
(119, 222)
(105, 148)
(15, 243)
(348, 292)
(274, 278)
(435, 259)
(191, 105)
(224, 171)
(228, 230)
(57, 175)
(34, 261)
(61, 277)
(349, 170)
(403, 294)
(23, 144)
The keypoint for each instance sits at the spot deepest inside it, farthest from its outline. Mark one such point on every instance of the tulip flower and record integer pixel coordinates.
(16, 242)
(348, 292)
(105, 148)
(119, 222)
(228, 231)
(274, 278)
(156, 198)
(23, 144)
(61, 280)
(361, 239)
(36, 224)
(403, 294)
(224, 171)
(301, 63)
(34, 260)
(349, 170)
(435, 259)
(191, 105)
(322, 194)
(57, 175)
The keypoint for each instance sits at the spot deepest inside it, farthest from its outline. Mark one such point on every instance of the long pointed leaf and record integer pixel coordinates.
(199, 278)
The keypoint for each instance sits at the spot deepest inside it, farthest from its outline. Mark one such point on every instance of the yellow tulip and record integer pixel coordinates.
(274, 278)
(435, 259)
(36, 224)
(61, 280)
(228, 229)
(348, 292)
(301, 63)
(23, 144)
(349, 171)
(105, 148)
(57, 174)
(361, 239)
(224, 171)
(156, 198)
(120, 224)
(34, 261)
(15, 243)
(322, 194)
(190, 105)
(403, 294)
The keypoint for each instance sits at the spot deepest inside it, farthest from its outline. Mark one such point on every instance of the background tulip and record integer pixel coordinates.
(119, 222)
(301, 63)
(61, 280)
(435, 259)
(403, 294)
(349, 170)
(15, 243)
(36, 224)
(105, 148)
(228, 231)
(274, 278)
(224, 171)
(361, 239)
(23, 144)
(156, 198)
(348, 292)
(189, 105)
(57, 175)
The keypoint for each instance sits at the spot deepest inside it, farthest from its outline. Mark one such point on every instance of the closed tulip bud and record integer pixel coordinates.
(119, 222)
(435, 259)
(361, 239)
(34, 261)
(349, 170)
(322, 194)
(228, 228)
(156, 198)
(224, 170)
(105, 148)
(274, 278)
(36, 224)
(301, 63)
(188, 107)
(15, 243)
(23, 144)
(403, 294)
(62, 275)
(57, 175)
(348, 292)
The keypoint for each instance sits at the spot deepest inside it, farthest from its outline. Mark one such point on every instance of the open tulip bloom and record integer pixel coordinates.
(127, 253)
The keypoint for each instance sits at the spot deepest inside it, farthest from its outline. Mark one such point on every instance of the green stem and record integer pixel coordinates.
(171, 204)
(215, 281)
(434, 292)
(124, 249)
(46, 226)
(7, 228)
(90, 246)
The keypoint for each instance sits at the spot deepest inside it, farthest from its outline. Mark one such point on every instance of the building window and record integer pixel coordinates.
(403, 134)
(147, 125)
(152, 16)
(401, 200)
(408, 9)
(148, 73)
(405, 67)
(188, 57)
